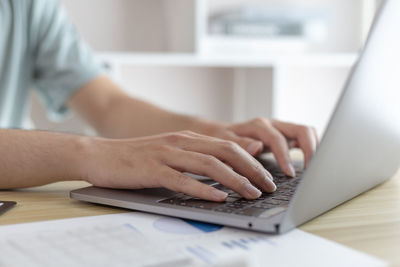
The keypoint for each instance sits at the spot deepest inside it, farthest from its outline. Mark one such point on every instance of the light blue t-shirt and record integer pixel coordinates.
(40, 49)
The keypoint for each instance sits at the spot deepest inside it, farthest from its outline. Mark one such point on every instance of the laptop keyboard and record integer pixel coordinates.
(235, 204)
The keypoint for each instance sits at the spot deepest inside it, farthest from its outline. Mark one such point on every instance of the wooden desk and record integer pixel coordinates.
(369, 223)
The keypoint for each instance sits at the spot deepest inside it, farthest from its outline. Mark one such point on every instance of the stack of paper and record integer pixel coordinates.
(139, 239)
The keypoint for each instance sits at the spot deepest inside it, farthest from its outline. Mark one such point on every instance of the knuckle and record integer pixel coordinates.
(229, 146)
(172, 137)
(181, 181)
(176, 137)
(187, 132)
(161, 148)
(304, 129)
(209, 161)
(277, 138)
(259, 120)
(307, 131)
(204, 190)
(262, 121)
(242, 182)
(256, 170)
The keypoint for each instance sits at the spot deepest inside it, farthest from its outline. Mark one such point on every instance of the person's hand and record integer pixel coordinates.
(256, 135)
(160, 161)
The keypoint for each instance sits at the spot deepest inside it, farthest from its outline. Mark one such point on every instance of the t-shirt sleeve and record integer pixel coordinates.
(63, 62)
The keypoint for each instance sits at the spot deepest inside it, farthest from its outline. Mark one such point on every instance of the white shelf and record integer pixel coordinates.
(193, 60)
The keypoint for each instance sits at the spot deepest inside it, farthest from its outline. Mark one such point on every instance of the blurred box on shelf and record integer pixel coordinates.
(261, 29)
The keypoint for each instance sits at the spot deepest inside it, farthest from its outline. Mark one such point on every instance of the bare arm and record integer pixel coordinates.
(30, 158)
(114, 114)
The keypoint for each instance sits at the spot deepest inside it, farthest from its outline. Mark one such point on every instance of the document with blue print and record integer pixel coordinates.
(140, 239)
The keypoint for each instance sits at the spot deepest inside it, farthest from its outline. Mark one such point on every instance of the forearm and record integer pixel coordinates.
(115, 114)
(32, 158)
(131, 117)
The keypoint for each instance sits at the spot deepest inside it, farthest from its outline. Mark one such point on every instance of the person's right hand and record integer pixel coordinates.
(160, 161)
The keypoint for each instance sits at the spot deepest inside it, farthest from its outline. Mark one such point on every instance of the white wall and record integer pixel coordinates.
(135, 25)
(100, 23)
(202, 92)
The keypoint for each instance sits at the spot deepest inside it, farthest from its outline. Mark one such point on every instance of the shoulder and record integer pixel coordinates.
(46, 17)
(45, 11)
(44, 5)
(30, 6)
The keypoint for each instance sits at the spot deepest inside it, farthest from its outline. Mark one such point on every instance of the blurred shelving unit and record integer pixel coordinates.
(163, 51)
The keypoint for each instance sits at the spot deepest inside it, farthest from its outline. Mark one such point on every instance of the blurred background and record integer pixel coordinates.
(229, 60)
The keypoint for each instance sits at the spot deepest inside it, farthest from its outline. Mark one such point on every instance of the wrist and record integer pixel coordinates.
(83, 157)
(206, 127)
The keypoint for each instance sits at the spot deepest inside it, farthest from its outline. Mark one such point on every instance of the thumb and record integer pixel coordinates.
(252, 146)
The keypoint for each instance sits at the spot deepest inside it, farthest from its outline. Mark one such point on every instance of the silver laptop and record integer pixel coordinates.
(360, 150)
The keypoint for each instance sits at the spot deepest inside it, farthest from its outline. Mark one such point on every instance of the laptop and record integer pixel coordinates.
(359, 150)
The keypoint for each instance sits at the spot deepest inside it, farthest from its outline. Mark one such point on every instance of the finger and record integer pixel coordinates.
(263, 130)
(210, 166)
(280, 149)
(307, 144)
(179, 182)
(293, 144)
(252, 146)
(304, 136)
(232, 154)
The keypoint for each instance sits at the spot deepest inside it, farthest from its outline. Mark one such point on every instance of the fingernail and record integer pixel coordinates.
(252, 191)
(273, 187)
(270, 185)
(290, 170)
(269, 176)
(219, 195)
(254, 148)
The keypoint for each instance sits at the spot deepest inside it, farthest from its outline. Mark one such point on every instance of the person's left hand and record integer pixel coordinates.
(277, 136)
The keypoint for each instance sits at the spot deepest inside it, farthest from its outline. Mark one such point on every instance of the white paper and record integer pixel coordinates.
(140, 239)
(1, 204)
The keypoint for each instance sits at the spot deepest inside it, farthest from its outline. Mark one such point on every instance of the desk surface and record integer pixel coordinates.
(369, 223)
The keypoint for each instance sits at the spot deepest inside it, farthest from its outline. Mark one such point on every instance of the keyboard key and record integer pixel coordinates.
(282, 199)
(235, 195)
(264, 206)
(170, 201)
(272, 201)
(224, 209)
(208, 205)
(230, 199)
